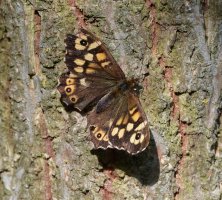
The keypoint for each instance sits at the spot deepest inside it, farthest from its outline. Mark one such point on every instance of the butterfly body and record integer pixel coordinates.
(122, 88)
(129, 85)
(96, 85)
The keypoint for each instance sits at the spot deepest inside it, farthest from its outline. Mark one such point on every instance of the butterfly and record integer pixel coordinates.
(96, 85)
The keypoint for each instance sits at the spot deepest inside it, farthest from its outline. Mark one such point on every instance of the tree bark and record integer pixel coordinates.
(174, 47)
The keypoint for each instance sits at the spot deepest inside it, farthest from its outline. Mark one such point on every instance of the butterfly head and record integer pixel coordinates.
(132, 85)
(137, 89)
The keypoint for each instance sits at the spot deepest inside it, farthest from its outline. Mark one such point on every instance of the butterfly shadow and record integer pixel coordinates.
(70, 108)
(145, 166)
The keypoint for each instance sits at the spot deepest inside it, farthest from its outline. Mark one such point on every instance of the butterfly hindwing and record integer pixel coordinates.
(81, 92)
(101, 118)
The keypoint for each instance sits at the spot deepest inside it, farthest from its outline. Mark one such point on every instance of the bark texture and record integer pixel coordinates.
(173, 46)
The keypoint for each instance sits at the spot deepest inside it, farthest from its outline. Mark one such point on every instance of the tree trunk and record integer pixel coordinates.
(174, 47)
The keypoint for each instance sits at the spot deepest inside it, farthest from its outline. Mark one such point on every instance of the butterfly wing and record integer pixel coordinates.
(93, 72)
(129, 129)
(82, 92)
(86, 54)
(118, 121)
(100, 119)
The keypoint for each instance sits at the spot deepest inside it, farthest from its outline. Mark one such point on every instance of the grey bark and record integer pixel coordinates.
(173, 46)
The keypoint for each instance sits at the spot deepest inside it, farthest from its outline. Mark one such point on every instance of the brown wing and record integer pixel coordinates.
(82, 92)
(87, 55)
(129, 130)
(120, 123)
(93, 71)
(100, 119)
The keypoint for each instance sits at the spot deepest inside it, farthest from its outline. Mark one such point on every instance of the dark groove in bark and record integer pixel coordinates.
(106, 190)
(48, 148)
(78, 13)
(37, 22)
(175, 115)
(154, 26)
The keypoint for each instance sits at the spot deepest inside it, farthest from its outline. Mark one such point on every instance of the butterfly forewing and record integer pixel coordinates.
(129, 130)
(87, 55)
(92, 71)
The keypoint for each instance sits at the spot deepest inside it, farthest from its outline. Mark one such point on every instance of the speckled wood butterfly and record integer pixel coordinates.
(96, 85)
